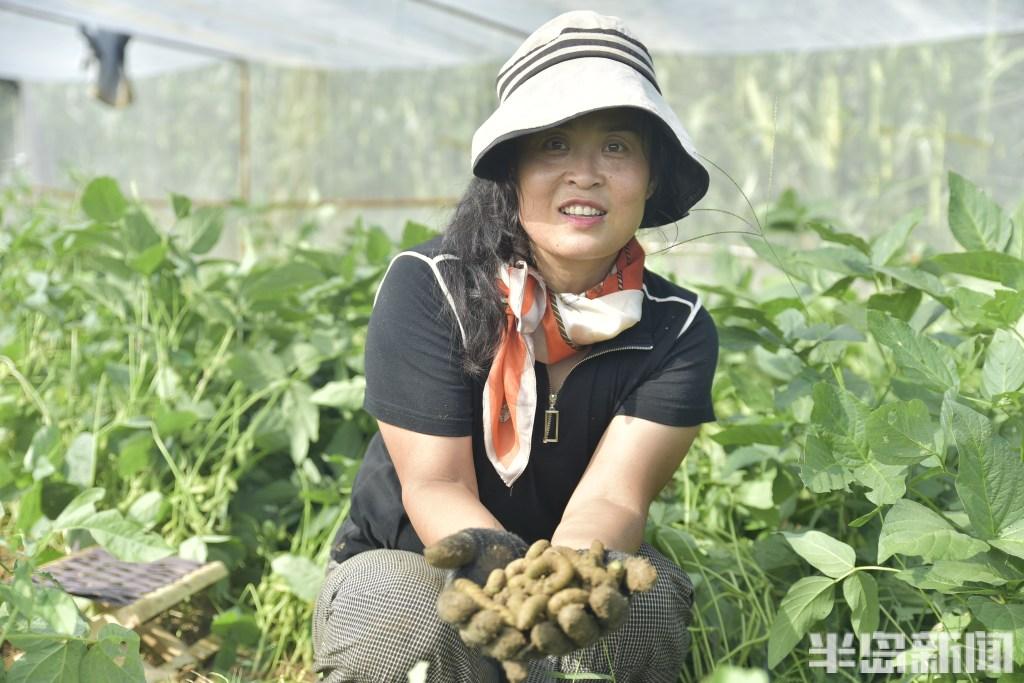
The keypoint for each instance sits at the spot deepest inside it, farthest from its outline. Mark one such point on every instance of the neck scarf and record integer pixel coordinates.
(548, 326)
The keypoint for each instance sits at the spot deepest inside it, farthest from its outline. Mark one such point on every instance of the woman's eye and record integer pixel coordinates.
(616, 147)
(554, 143)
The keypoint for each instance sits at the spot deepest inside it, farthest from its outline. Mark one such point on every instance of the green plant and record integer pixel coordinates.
(863, 471)
(154, 398)
(873, 437)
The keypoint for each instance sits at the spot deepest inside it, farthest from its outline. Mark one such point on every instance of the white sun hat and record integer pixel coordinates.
(577, 63)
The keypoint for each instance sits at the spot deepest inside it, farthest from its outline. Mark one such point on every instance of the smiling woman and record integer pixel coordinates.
(583, 187)
(531, 379)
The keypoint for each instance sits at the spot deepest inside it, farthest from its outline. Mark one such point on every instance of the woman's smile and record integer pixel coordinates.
(582, 213)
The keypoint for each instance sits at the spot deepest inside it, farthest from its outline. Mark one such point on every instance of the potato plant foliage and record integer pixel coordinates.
(865, 473)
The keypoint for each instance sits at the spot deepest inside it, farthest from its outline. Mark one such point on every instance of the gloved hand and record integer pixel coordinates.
(474, 553)
(549, 602)
(597, 602)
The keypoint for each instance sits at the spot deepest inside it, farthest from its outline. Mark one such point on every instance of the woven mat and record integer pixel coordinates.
(96, 574)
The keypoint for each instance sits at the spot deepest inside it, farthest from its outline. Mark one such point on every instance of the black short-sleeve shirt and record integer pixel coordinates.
(661, 369)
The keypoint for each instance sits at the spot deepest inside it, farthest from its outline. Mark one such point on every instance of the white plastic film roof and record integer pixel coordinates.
(39, 39)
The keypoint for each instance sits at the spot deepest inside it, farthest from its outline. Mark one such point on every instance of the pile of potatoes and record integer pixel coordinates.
(550, 602)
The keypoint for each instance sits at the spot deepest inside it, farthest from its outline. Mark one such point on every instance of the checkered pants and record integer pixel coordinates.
(376, 618)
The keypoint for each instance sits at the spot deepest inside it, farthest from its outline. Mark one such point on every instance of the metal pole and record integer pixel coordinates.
(244, 132)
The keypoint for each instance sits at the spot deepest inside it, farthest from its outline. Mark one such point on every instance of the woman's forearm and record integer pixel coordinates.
(437, 509)
(617, 527)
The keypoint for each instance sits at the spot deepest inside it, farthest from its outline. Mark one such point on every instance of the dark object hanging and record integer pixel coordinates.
(108, 50)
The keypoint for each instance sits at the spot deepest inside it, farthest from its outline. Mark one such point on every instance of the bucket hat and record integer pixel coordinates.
(577, 63)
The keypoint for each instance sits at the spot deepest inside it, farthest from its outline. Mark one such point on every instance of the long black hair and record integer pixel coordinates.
(485, 233)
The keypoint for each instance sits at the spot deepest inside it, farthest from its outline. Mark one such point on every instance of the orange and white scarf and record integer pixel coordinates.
(548, 326)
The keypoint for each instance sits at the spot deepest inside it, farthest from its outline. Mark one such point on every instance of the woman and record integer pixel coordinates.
(530, 378)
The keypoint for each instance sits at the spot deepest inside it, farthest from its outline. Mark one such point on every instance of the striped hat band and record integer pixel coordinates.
(575, 43)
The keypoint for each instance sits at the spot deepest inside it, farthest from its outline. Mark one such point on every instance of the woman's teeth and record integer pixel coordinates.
(575, 210)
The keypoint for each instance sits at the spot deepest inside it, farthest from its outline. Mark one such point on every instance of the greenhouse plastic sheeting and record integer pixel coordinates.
(367, 34)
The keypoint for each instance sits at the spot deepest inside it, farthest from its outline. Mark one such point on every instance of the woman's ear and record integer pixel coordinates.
(652, 185)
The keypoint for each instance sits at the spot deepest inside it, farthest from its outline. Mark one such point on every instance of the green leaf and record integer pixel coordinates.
(1005, 308)
(952, 576)
(755, 391)
(81, 507)
(1015, 246)
(1004, 365)
(977, 222)
(745, 434)
(910, 528)
(124, 539)
(991, 474)
(886, 483)
(918, 356)
(30, 507)
(280, 282)
(892, 240)
(416, 233)
(987, 265)
(840, 418)
(860, 590)
(80, 460)
(808, 600)
(22, 591)
(378, 246)
(182, 205)
(1001, 617)
(149, 260)
(102, 200)
(300, 574)
(901, 432)
(139, 233)
(901, 304)
(919, 279)
(256, 368)
(830, 234)
(1011, 539)
(148, 509)
(756, 493)
(170, 422)
(842, 260)
(39, 457)
(58, 609)
(819, 469)
(236, 625)
(304, 419)
(134, 454)
(969, 305)
(58, 662)
(203, 229)
(114, 658)
(826, 554)
(346, 394)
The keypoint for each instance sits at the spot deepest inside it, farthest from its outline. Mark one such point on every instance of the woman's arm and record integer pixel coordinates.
(633, 461)
(439, 489)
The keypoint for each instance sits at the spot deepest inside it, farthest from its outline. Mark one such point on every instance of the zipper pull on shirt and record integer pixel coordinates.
(551, 421)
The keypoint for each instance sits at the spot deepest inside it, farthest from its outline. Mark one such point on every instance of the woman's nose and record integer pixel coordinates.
(584, 168)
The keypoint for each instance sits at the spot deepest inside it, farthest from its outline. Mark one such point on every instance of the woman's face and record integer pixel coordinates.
(582, 188)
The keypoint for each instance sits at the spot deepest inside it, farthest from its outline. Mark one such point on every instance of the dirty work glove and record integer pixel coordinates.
(474, 553)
